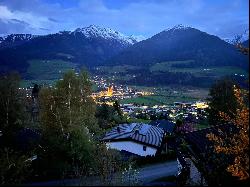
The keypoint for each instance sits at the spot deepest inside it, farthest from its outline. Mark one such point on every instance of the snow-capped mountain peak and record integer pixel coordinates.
(178, 27)
(15, 38)
(238, 38)
(106, 33)
(138, 38)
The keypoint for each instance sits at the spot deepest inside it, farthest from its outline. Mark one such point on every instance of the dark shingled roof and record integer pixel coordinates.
(166, 125)
(144, 133)
(199, 140)
(203, 151)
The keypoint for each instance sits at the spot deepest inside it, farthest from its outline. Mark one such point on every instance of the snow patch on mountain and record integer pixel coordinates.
(238, 38)
(178, 27)
(138, 38)
(16, 37)
(106, 33)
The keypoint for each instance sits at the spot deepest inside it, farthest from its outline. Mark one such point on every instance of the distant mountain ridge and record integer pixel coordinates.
(181, 43)
(96, 46)
(107, 33)
(15, 39)
(87, 46)
(92, 31)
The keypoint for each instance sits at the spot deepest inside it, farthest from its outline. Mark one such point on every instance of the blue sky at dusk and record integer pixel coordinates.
(224, 18)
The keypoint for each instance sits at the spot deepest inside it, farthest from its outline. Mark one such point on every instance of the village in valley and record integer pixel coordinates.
(172, 136)
(124, 93)
(148, 131)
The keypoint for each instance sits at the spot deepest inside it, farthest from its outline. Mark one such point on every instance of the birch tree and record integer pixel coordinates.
(68, 123)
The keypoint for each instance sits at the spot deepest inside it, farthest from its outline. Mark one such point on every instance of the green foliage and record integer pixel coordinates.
(68, 125)
(11, 106)
(136, 120)
(105, 116)
(110, 165)
(169, 65)
(130, 176)
(109, 116)
(202, 124)
(179, 122)
(117, 108)
(185, 66)
(13, 168)
(222, 99)
(158, 99)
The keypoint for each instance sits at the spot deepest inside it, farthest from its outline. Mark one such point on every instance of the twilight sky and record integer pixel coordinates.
(224, 18)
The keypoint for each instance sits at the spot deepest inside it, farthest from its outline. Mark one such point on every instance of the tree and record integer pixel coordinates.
(12, 115)
(222, 99)
(68, 125)
(109, 116)
(105, 115)
(117, 108)
(238, 144)
(15, 165)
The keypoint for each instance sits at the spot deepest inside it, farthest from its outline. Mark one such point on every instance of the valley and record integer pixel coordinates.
(179, 56)
(119, 93)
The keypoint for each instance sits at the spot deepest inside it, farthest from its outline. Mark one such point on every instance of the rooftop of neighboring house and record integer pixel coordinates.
(166, 125)
(201, 150)
(137, 132)
(199, 141)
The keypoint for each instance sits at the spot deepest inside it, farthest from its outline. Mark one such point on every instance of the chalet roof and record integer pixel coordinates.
(166, 125)
(199, 140)
(138, 132)
(202, 149)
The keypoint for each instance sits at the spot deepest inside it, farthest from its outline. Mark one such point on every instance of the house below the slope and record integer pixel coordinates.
(137, 138)
(198, 164)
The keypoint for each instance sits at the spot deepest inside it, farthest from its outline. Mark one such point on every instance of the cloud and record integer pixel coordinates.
(53, 20)
(26, 21)
(20, 22)
(13, 27)
(141, 17)
(44, 29)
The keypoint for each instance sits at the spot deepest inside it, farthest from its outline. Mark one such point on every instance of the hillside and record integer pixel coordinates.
(88, 46)
(179, 44)
(180, 56)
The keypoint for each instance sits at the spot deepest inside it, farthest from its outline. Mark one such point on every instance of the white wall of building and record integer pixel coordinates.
(132, 147)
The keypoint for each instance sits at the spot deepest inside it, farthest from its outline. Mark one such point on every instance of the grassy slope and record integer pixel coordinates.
(158, 100)
(199, 71)
(46, 71)
(168, 95)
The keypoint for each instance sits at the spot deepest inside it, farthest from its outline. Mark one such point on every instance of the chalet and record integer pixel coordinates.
(136, 138)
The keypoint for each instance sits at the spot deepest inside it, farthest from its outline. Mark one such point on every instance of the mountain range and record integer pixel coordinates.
(96, 46)
(88, 46)
(182, 43)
